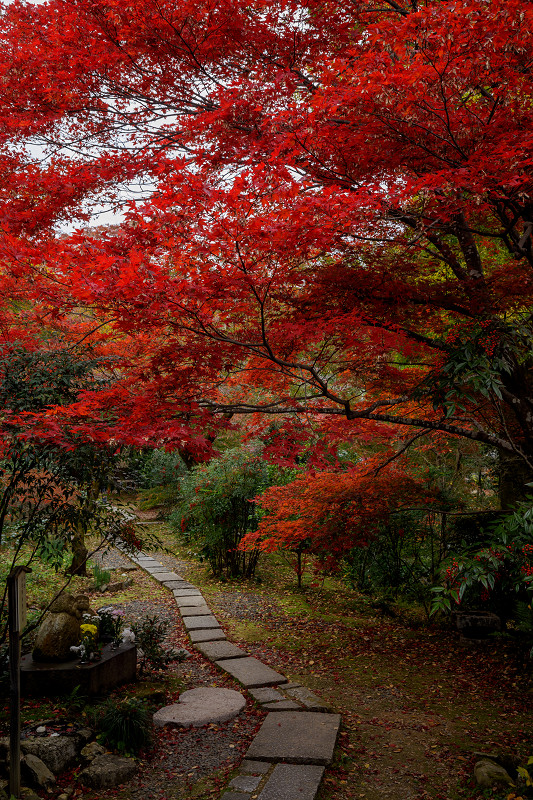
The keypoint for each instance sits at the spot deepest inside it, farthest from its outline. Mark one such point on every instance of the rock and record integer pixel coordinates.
(60, 628)
(107, 771)
(477, 624)
(85, 734)
(68, 791)
(489, 774)
(28, 794)
(36, 772)
(90, 751)
(57, 634)
(506, 760)
(58, 752)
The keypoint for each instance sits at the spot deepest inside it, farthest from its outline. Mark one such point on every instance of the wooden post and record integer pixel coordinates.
(16, 583)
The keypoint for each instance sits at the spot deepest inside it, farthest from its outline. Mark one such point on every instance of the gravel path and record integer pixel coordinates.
(193, 762)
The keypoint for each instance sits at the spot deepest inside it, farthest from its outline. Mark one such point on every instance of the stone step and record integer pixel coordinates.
(251, 672)
(296, 737)
(190, 600)
(211, 635)
(176, 584)
(200, 623)
(197, 707)
(155, 568)
(219, 651)
(165, 577)
(308, 698)
(186, 593)
(292, 782)
(282, 705)
(198, 611)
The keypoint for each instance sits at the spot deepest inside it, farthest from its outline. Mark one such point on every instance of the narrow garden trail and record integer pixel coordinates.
(416, 704)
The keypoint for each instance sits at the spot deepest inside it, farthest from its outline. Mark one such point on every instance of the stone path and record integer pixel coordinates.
(286, 760)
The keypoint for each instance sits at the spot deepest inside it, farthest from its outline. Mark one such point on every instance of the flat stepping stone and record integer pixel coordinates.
(310, 700)
(203, 706)
(289, 781)
(267, 695)
(251, 672)
(197, 623)
(218, 651)
(245, 783)
(189, 601)
(211, 635)
(255, 767)
(178, 584)
(186, 593)
(282, 705)
(296, 737)
(165, 577)
(199, 611)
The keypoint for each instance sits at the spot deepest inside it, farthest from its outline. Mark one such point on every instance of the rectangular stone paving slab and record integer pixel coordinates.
(282, 705)
(290, 781)
(186, 593)
(245, 783)
(217, 651)
(266, 695)
(197, 622)
(310, 700)
(155, 568)
(251, 672)
(212, 635)
(296, 737)
(199, 611)
(190, 600)
(163, 577)
(255, 767)
(178, 584)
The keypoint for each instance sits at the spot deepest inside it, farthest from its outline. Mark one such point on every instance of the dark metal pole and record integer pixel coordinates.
(14, 689)
(16, 586)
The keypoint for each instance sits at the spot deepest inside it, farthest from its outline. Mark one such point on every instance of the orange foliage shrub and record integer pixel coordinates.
(331, 512)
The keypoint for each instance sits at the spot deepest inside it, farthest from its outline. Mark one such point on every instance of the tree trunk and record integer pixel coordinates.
(78, 564)
(513, 477)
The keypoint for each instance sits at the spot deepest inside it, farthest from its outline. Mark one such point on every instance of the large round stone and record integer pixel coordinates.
(198, 707)
(57, 634)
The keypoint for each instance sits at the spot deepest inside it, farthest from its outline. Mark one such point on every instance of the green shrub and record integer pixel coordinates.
(150, 634)
(123, 725)
(217, 509)
(101, 576)
(162, 468)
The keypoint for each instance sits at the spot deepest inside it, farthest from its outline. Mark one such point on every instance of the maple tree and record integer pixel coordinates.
(49, 478)
(330, 513)
(336, 220)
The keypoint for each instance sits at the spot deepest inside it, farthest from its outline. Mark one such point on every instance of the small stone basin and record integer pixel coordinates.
(114, 668)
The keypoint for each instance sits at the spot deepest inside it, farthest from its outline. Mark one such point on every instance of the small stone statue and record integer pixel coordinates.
(60, 628)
